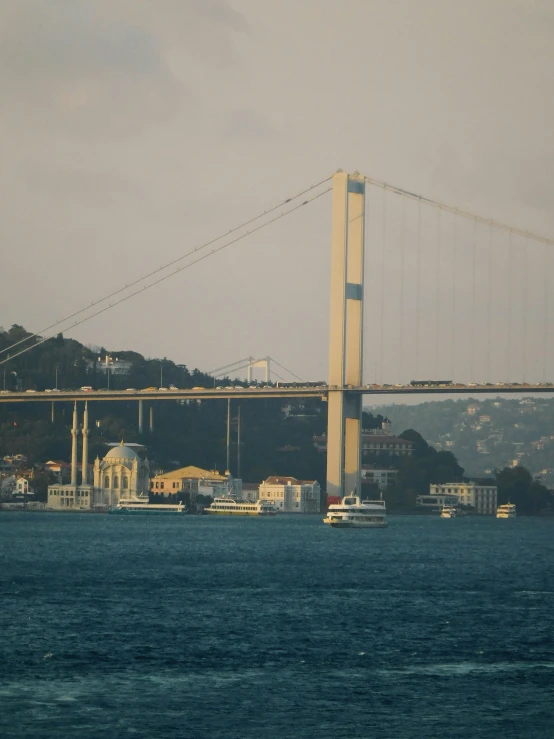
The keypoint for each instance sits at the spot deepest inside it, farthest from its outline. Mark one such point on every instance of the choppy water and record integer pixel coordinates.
(114, 626)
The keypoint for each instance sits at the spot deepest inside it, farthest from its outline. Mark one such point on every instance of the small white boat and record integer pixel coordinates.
(353, 513)
(448, 511)
(508, 510)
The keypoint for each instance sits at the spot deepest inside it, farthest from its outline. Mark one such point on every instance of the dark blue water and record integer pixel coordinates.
(114, 626)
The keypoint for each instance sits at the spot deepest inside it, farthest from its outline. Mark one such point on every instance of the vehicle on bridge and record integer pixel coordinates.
(430, 383)
(317, 383)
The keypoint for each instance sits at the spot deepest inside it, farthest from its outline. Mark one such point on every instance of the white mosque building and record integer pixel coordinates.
(121, 473)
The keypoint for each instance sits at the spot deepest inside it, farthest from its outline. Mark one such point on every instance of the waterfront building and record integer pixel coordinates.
(120, 473)
(479, 496)
(290, 495)
(196, 481)
(436, 502)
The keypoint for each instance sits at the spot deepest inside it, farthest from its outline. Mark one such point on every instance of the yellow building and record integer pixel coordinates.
(196, 481)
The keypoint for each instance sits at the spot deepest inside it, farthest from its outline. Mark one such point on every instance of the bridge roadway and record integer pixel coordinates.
(245, 393)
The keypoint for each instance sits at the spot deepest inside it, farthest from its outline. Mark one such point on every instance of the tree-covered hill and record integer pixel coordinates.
(185, 432)
(486, 434)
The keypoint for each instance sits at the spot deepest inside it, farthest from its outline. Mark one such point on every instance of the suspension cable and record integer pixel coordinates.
(169, 264)
(171, 274)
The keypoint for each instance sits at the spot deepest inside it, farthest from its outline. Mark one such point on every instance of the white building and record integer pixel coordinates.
(481, 497)
(436, 502)
(119, 474)
(290, 495)
(382, 477)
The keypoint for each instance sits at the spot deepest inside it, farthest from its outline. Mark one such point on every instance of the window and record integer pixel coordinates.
(115, 482)
(125, 483)
(106, 482)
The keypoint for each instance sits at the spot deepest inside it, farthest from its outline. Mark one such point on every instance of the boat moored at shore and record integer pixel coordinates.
(448, 511)
(139, 505)
(227, 506)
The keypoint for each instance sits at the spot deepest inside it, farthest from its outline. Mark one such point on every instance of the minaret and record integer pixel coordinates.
(74, 434)
(85, 446)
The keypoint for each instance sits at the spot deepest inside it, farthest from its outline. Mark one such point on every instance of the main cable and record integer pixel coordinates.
(166, 266)
(457, 211)
(165, 277)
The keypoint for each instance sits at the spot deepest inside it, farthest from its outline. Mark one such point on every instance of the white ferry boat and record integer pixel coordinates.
(140, 505)
(448, 511)
(353, 513)
(227, 506)
(508, 510)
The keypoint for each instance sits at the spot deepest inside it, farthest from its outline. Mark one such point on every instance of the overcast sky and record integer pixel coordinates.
(134, 130)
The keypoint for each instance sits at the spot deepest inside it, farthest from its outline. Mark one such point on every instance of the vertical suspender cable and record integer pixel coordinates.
(525, 296)
(383, 253)
(510, 303)
(453, 327)
(472, 365)
(437, 290)
(489, 300)
(418, 281)
(544, 311)
(402, 250)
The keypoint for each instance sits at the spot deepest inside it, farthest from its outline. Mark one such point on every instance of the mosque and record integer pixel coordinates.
(121, 473)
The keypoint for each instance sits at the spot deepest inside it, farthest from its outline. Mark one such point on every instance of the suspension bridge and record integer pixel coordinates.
(437, 292)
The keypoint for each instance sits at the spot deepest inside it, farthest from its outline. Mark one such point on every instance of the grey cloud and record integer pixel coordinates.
(84, 70)
(247, 125)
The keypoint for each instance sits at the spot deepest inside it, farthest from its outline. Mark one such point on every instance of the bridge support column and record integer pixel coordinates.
(344, 424)
(140, 422)
(151, 419)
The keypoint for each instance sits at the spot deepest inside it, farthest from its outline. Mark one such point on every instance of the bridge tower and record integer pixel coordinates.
(344, 424)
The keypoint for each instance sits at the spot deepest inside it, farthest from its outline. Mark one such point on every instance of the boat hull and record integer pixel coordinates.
(356, 525)
(123, 512)
(238, 513)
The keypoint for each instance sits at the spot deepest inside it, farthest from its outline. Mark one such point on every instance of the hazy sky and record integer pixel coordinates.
(134, 130)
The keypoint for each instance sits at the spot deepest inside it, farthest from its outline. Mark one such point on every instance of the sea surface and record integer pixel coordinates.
(222, 628)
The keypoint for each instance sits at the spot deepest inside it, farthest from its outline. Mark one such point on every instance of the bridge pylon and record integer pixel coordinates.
(344, 424)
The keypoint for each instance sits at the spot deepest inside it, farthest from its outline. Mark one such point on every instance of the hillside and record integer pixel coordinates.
(184, 432)
(486, 435)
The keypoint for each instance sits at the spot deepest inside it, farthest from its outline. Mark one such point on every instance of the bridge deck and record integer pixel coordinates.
(265, 392)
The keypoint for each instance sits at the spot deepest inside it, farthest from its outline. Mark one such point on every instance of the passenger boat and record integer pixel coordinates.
(448, 511)
(140, 505)
(227, 506)
(508, 510)
(353, 513)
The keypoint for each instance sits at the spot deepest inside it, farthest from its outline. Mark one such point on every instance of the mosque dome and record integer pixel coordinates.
(122, 452)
